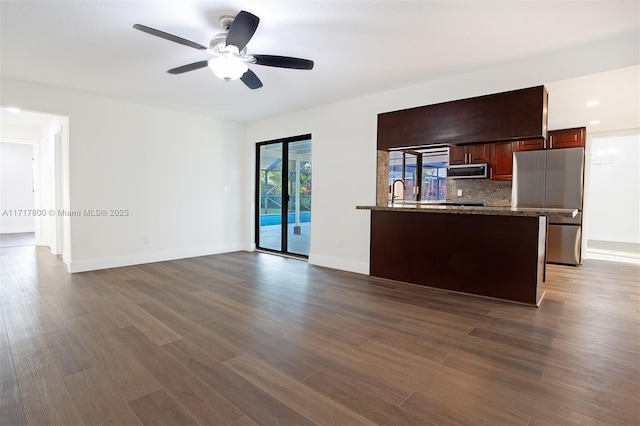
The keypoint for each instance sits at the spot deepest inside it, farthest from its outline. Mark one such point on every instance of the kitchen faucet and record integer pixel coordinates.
(393, 189)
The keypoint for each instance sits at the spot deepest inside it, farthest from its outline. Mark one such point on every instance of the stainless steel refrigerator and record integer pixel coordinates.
(553, 179)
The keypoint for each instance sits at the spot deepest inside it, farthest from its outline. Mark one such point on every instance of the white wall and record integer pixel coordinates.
(344, 139)
(16, 188)
(20, 133)
(614, 189)
(180, 177)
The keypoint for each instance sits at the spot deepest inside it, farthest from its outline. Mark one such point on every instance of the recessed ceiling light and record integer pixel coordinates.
(13, 109)
(594, 122)
(592, 103)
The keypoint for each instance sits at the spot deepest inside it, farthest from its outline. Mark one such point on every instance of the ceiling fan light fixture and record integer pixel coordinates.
(229, 50)
(228, 66)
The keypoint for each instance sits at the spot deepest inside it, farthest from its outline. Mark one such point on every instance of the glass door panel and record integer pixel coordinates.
(434, 181)
(411, 182)
(299, 206)
(270, 197)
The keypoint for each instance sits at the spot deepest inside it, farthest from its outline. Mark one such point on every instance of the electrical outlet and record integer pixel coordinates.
(459, 192)
(145, 239)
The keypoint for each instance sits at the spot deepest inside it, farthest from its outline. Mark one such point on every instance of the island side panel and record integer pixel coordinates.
(542, 255)
(495, 256)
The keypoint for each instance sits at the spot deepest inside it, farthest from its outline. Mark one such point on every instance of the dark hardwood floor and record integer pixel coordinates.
(250, 338)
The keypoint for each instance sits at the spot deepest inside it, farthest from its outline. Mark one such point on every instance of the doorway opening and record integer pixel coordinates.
(283, 196)
(17, 193)
(613, 234)
(35, 187)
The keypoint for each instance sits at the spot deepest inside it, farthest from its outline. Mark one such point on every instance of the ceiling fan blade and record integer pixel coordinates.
(188, 67)
(251, 80)
(283, 62)
(242, 29)
(169, 37)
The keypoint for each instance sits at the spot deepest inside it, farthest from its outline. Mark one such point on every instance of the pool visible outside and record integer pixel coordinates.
(276, 219)
(271, 235)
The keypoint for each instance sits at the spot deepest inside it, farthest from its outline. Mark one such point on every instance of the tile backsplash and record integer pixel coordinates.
(496, 192)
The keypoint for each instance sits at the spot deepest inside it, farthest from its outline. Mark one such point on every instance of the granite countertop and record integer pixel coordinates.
(484, 210)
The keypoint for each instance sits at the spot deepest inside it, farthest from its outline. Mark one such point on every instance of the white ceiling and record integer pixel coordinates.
(617, 93)
(359, 47)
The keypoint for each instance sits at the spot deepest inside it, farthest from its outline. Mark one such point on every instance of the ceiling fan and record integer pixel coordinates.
(229, 49)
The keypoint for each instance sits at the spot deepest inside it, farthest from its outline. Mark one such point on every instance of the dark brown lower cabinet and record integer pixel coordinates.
(494, 256)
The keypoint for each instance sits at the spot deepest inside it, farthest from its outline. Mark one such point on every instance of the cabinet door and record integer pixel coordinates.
(567, 138)
(530, 145)
(502, 160)
(480, 153)
(457, 155)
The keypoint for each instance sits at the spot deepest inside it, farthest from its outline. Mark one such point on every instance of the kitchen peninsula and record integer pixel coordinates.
(494, 252)
(491, 251)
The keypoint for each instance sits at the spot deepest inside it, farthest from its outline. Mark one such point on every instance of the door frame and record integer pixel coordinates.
(285, 194)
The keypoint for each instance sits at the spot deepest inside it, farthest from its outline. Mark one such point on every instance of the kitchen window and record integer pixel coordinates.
(424, 174)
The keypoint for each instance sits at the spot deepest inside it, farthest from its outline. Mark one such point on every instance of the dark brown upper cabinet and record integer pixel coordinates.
(567, 138)
(502, 156)
(457, 155)
(470, 154)
(531, 145)
(508, 116)
(502, 160)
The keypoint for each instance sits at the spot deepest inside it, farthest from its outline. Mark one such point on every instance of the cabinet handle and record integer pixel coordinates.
(469, 158)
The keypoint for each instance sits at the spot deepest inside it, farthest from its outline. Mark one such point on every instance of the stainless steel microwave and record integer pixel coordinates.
(468, 171)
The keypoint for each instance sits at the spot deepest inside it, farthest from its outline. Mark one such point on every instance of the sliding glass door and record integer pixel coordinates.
(283, 204)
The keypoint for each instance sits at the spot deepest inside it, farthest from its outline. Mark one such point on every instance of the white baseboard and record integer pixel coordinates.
(65, 259)
(138, 259)
(634, 239)
(18, 229)
(341, 264)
